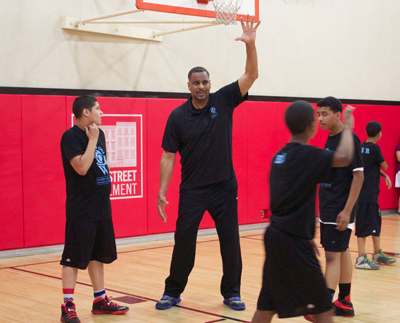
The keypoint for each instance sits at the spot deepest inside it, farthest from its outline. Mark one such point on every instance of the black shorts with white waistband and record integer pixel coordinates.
(334, 240)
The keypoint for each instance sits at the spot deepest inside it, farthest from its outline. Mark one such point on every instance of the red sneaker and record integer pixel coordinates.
(68, 313)
(106, 306)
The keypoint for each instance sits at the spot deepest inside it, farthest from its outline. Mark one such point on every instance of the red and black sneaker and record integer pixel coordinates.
(106, 306)
(68, 313)
(343, 308)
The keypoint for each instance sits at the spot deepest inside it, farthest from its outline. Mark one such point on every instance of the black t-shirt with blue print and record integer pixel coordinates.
(333, 194)
(88, 196)
(203, 137)
(372, 159)
(295, 172)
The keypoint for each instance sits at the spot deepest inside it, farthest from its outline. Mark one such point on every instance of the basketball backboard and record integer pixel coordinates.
(193, 8)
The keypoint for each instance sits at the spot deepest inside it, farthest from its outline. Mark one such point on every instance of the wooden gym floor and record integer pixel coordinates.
(30, 286)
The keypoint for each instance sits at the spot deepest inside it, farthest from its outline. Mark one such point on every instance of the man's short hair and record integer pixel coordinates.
(334, 104)
(83, 102)
(197, 69)
(373, 128)
(298, 116)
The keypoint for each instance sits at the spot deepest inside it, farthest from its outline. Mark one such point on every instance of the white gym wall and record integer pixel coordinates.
(349, 49)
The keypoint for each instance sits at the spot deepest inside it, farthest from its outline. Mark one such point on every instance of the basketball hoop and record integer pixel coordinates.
(203, 1)
(226, 10)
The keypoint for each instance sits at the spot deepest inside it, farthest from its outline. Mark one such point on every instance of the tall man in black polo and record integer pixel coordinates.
(201, 131)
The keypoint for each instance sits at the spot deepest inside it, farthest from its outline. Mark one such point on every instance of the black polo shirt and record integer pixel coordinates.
(88, 196)
(372, 159)
(295, 172)
(203, 137)
(333, 194)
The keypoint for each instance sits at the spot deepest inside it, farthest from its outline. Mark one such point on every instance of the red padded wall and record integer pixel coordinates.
(43, 122)
(267, 134)
(33, 190)
(11, 199)
(158, 111)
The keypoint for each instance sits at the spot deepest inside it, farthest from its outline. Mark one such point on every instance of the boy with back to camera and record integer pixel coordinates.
(89, 233)
(337, 207)
(368, 218)
(294, 285)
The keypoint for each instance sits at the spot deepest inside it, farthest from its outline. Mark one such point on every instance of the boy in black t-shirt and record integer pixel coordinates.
(89, 233)
(368, 219)
(337, 202)
(294, 285)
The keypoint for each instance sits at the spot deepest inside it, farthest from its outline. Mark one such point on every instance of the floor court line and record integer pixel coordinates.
(221, 317)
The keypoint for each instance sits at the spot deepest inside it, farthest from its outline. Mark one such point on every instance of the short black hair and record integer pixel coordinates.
(298, 116)
(197, 69)
(83, 102)
(334, 104)
(373, 128)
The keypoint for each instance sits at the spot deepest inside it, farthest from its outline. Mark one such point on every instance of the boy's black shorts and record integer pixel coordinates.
(333, 239)
(293, 283)
(368, 219)
(86, 241)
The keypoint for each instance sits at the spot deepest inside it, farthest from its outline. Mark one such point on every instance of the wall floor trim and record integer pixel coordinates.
(121, 241)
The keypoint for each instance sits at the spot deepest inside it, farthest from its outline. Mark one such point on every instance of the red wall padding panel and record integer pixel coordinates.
(33, 187)
(11, 212)
(43, 123)
(158, 111)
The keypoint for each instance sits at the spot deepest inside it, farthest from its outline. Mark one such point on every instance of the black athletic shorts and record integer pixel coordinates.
(333, 239)
(368, 219)
(293, 283)
(86, 241)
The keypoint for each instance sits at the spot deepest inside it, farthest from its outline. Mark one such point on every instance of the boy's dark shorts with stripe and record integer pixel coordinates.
(334, 240)
(87, 241)
(293, 283)
(368, 219)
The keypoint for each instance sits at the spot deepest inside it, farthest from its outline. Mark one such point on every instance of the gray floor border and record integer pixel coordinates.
(122, 241)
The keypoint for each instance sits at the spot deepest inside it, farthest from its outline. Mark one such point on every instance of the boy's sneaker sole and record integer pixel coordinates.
(309, 318)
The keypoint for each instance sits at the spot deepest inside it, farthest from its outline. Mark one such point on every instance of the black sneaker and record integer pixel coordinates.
(235, 303)
(106, 306)
(68, 313)
(343, 308)
(166, 302)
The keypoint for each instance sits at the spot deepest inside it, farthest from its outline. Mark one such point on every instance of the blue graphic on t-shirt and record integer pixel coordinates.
(326, 185)
(280, 159)
(214, 112)
(364, 150)
(101, 162)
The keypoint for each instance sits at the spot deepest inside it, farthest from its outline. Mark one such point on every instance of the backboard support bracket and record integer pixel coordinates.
(122, 28)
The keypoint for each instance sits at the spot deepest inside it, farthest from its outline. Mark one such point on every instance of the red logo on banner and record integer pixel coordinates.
(124, 133)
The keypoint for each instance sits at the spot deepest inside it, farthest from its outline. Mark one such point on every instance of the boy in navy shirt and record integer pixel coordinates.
(294, 285)
(368, 218)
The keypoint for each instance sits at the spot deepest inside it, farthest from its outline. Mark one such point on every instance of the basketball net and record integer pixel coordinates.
(225, 10)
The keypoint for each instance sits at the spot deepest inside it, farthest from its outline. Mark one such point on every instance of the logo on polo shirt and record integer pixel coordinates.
(280, 159)
(214, 112)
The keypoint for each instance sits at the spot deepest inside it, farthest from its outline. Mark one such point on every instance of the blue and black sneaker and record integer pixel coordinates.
(166, 302)
(235, 303)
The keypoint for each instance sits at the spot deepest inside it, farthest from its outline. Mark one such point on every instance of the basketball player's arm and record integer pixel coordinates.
(166, 168)
(344, 153)
(82, 163)
(388, 182)
(251, 69)
(343, 217)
